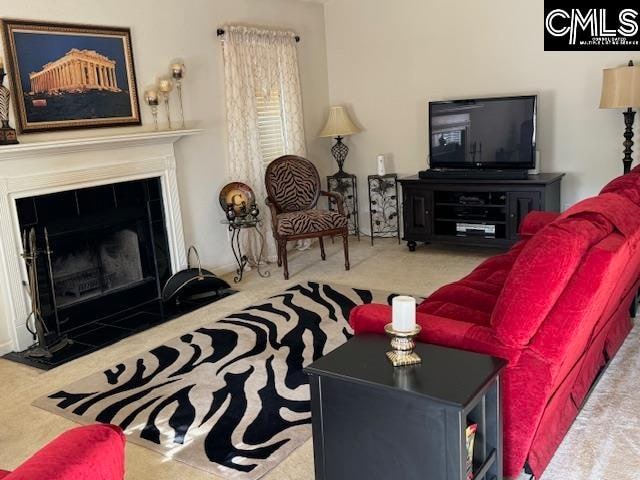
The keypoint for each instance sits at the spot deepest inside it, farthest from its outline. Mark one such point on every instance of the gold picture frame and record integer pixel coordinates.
(67, 76)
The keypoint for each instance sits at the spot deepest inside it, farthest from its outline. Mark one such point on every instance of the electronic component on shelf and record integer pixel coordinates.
(464, 229)
(470, 200)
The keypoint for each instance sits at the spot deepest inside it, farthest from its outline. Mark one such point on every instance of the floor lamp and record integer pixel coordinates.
(621, 89)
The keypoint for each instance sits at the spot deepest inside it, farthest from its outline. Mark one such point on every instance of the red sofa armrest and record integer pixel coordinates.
(535, 221)
(94, 451)
(372, 318)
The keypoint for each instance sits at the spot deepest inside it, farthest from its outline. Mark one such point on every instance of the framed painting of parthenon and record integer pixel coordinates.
(70, 76)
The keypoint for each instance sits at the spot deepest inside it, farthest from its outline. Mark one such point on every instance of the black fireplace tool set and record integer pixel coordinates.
(192, 287)
(48, 341)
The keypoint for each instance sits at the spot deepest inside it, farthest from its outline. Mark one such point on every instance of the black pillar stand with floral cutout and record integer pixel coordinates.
(384, 206)
(346, 184)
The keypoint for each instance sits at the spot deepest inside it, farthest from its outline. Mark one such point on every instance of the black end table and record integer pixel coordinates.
(371, 420)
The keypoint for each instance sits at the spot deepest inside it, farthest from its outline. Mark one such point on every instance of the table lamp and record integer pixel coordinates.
(621, 89)
(339, 125)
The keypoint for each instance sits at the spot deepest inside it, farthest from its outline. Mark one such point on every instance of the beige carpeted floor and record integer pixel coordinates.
(388, 266)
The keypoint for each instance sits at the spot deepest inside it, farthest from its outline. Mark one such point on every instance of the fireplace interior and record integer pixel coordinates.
(103, 260)
(97, 266)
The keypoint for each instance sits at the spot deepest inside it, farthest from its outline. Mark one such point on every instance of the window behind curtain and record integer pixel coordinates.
(270, 125)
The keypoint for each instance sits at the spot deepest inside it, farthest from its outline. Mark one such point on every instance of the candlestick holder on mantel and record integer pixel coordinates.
(165, 85)
(177, 72)
(151, 97)
(403, 346)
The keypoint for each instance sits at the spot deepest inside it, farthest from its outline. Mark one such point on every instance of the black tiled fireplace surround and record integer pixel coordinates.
(109, 259)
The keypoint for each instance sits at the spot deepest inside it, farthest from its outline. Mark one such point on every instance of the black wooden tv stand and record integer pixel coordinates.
(472, 211)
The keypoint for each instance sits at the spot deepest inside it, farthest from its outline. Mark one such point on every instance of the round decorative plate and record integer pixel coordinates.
(238, 194)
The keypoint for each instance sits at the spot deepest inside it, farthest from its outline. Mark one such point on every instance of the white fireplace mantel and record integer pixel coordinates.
(40, 167)
(73, 145)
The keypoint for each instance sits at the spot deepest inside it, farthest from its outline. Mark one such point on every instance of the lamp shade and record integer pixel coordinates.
(339, 123)
(620, 87)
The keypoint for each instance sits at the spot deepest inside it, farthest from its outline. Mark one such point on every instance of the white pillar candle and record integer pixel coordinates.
(404, 313)
(381, 169)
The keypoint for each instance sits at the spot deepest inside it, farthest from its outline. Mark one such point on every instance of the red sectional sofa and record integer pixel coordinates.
(556, 306)
(94, 452)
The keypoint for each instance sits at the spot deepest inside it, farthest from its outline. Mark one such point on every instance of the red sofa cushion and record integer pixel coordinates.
(466, 299)
(372, 318)
(549, 260)
(473, 298)
(93, 452)
(563, 335)
(534, 222)
(540, 274)
(626, 185)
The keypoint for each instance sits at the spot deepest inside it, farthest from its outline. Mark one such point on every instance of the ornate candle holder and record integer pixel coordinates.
(230, 212)
(177, 72)
(165, 85)
(403, 346)
(151, 97)
(8, 135)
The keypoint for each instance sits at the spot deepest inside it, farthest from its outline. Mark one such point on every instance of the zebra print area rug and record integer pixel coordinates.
(230, 397)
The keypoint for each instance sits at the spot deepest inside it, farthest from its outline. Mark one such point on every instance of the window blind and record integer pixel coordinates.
(270, 125)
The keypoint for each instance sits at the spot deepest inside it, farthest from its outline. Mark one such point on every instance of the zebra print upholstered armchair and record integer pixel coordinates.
(293, 189)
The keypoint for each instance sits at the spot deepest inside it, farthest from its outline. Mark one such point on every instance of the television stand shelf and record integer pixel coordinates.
(474, 211)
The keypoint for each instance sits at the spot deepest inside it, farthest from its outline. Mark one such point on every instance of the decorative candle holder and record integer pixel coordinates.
(254, 211)
(403, 346)
(151, 97)
(177, 72)
(230, 212)
(165, 85)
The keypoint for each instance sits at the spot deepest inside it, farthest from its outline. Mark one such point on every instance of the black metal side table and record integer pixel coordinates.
(384, 206)
(375, 421)
(236, 226)
(346, 184)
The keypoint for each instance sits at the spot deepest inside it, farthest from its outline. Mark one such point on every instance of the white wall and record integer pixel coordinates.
(165, 29)
(388, 59)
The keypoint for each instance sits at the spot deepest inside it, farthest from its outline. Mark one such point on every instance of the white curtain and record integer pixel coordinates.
(259, 61)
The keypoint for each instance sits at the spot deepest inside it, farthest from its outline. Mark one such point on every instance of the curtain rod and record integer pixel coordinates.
(220, 33)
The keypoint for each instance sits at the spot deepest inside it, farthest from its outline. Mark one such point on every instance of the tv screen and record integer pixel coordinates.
(495, 133)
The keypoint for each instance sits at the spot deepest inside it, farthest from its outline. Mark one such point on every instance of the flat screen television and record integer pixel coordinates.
(484, 133)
